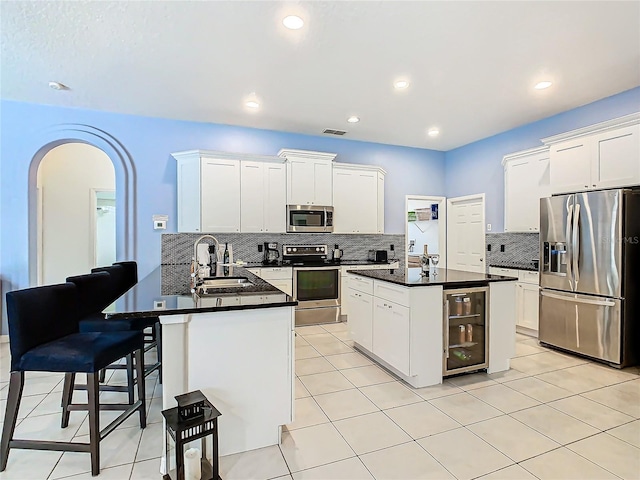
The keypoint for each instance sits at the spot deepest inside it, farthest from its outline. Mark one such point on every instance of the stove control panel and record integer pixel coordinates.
(304, 250)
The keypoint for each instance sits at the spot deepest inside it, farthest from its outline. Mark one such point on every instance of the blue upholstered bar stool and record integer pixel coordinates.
(44, 336)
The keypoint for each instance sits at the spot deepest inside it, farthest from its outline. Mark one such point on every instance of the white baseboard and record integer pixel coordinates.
(4, 338)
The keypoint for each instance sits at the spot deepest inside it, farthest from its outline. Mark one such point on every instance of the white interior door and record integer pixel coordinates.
(465, 233)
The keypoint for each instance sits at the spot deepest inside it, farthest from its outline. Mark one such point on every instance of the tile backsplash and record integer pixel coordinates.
(519, 249)
(177, 248)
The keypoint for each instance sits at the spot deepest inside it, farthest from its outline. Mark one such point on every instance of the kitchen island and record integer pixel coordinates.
(235, 345)
(398, 318)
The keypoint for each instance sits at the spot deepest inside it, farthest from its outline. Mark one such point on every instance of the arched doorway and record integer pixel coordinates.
(77, 211)
(125, 181)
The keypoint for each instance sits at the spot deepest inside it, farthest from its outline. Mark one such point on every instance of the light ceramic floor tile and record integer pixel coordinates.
(464, 454)
(146, 470)
(151, 443)
(365, 376)
(566, 465)
(604, 374)
(611, 454)
(307, 413)
(535, 388)
(321, 338)
(348, 360)
(349, 469)
(523, 349)
(345, 404)
(421, 419)
(333, 348)
(343, 336)
(389, 395)
(465, 408)
(501, 433)
(306, 351)
(109, 473)
(336, 327)
(513, 472)
(310, 330)
(154, 411)
(314, 446)
(590, 412)
(406, 461)
(118, 448)
(374, 431)
(301, 391)
(506, 376)
(300, 341)
(284, 477)
(574, 382)
(27, 405)
(436, 391)
(544, 362)
(309, 366)
(469, 382)
(624, 397)
(47, 427)
(556, 425)
(41, 385)
(629, 432)
(30, 464)
(328, 382)
(260, 464)
(504, 398)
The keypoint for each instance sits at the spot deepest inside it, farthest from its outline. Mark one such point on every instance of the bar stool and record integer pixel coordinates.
(44, 337)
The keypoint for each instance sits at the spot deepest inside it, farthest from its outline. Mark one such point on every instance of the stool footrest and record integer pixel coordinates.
(74, 407)
(121, 418)
(47, 445)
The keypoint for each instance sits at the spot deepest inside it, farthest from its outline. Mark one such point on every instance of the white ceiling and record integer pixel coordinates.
(472, 65)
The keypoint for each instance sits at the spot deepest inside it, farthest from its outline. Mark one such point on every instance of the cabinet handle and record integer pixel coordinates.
(594, 185)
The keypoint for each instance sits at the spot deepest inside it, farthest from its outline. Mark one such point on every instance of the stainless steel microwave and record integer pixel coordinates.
(309, 218)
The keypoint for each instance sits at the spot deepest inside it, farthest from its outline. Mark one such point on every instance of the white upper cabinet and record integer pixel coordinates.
(605, 155)
(262, 196)
(210, 192)
(526, 181)
(309, 177)
(358, 198)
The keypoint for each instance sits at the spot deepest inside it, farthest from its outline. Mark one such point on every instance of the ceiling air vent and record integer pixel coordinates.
(331, 131)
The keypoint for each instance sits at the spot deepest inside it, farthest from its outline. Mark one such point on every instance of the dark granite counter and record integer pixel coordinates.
(159, 294)
(347, 263)
(516, 266)
(410, 277)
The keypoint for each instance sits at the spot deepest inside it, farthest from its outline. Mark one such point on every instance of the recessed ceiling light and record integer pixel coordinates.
(252, 104)
(353, 119)
(433, 132)
(293, 22)
(542, 85)
(58, 86)
(401, 84)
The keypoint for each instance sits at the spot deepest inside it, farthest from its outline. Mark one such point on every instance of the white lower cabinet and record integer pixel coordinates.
(360, 325)
(527, 295)
(391, 333)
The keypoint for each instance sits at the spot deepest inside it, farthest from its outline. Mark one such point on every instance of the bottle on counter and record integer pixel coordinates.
(225, 256)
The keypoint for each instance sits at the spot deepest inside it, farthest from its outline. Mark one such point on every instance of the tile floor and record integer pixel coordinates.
(552, 416)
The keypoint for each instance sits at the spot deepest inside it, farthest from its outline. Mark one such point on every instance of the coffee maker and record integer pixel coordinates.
(271, 253)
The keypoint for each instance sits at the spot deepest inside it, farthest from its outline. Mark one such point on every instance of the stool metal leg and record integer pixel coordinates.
(67, 397)
(94, 421)
(130, 380)
(16, 384)
(103, 375)
(139, 357)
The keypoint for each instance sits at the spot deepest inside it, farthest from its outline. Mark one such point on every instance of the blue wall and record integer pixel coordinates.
(477, 167)
(150, 141)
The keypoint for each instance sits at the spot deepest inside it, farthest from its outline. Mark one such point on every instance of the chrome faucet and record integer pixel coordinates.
(195, 266)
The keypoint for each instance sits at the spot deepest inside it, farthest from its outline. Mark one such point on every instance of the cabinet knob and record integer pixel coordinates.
(594, 185)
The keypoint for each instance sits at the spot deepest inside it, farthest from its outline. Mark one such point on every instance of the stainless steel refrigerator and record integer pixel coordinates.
(589, 262)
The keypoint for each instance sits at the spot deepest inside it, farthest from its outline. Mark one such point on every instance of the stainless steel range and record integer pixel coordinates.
(316, 283)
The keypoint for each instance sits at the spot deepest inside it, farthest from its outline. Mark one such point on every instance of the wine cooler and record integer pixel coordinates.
(466, 336)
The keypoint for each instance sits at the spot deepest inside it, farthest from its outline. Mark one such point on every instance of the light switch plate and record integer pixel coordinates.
(159, 224)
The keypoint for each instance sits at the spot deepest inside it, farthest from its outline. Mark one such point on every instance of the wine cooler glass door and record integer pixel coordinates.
(465, 330)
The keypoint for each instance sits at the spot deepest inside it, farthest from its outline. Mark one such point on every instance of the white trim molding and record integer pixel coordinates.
(356, 166)
(307, 154)
(524, 153)
(226, 156)
(614, 123)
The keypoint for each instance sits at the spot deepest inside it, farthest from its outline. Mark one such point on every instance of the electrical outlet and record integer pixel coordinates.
(259, 248)
(488, 247)
(392, 247)
(502, 248)
(488, 227)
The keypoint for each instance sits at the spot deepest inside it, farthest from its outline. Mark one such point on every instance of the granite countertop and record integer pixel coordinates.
(329, 263)
(166, 291)
(516, 266)
(410, 277)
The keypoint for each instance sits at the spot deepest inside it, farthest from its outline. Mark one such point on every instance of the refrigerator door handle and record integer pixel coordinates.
(575, 245)
(569, 253)
(572, 298)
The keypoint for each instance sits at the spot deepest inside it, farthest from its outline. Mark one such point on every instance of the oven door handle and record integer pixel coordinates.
(312, 269)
